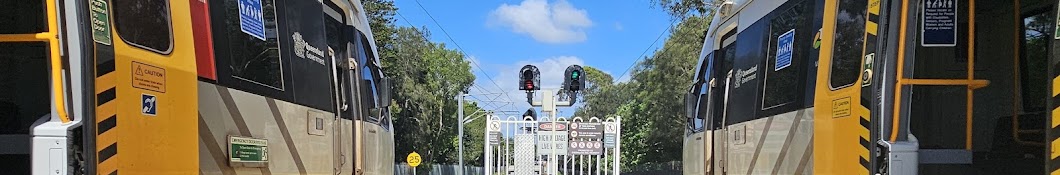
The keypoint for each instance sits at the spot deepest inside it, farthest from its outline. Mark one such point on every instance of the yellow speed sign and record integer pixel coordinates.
(413, 159)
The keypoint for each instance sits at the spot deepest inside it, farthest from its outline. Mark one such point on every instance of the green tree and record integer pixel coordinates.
(381, 19)
(680, 9)
(652, 113)
(426, 79)
(601, 97)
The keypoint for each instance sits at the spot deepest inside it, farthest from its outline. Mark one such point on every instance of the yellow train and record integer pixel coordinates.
(877, 87)
(191, 87)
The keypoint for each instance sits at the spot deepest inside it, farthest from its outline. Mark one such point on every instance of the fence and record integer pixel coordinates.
(405, 169)
(524, 146)
(654, 168)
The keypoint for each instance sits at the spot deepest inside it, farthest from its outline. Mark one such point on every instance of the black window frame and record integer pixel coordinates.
(369, 74)
(339, 40)
(793, 78)
(230, 41)
(724, 59)
(1036, 100)
(702, 92)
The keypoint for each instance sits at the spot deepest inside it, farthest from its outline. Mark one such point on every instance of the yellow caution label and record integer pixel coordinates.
(841, 107)
(148, 77)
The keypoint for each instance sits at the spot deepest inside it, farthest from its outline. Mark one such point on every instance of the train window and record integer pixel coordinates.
(1033, 67)
(144, 23)
(783, 59)
(368, 86)
(722, 70)
(368, 94)
(702, 91)
(246, 57)
(696, 121)
(335, 32)
(848, 43)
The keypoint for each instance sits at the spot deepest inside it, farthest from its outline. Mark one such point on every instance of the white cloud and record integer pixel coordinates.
(559, 22)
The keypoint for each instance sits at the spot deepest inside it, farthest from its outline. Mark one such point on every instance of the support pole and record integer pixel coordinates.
(460, 132)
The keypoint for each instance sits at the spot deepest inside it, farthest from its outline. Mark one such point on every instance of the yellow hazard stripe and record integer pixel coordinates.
(106, 124)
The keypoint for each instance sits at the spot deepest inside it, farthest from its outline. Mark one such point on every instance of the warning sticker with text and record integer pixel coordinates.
(148, 77)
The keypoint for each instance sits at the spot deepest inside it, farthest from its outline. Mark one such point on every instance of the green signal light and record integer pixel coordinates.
(574, 75)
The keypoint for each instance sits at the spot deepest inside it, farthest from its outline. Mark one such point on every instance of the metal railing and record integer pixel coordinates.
(52, 38)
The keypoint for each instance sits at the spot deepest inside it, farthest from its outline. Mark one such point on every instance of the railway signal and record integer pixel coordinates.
(530, 113)
(529, 78)
(575, 78)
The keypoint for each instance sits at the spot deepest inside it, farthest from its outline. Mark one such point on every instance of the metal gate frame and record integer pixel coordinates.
(500, 158)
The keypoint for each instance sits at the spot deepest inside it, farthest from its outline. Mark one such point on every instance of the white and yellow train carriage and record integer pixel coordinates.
(191, 87)
(877, 87)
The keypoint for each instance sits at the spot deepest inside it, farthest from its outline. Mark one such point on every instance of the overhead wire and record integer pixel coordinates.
(668, 28)
(458, 47)
(490, 103)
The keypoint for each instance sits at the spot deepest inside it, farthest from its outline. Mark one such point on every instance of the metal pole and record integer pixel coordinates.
(487, 148)
(618, 145)
(460, 131)
(552, 157)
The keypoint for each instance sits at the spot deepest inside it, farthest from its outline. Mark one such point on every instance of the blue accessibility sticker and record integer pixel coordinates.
(785, 47)
(251, 19)
(149, 105)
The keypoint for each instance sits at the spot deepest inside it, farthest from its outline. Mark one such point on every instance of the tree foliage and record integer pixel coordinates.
(652, 114)
(681, 9)
(426, 78)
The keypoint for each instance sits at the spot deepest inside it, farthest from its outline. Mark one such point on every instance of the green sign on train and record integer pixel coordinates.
(100, 21)
(248, 150)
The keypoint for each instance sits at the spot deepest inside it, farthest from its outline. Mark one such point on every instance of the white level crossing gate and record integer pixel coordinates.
(524, 146)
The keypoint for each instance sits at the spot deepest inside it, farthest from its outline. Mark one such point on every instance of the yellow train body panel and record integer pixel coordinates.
(162, 143)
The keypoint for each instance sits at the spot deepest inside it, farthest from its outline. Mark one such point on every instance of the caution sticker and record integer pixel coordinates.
(148, 77)
(841, 107)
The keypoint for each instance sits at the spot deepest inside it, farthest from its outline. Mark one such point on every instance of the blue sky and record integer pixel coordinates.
(502, 36)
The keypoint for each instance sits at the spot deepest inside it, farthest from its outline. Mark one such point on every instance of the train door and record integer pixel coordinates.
(339, 48)
(720, 82)
(974, 85)
(694, 157)
(842, 125)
